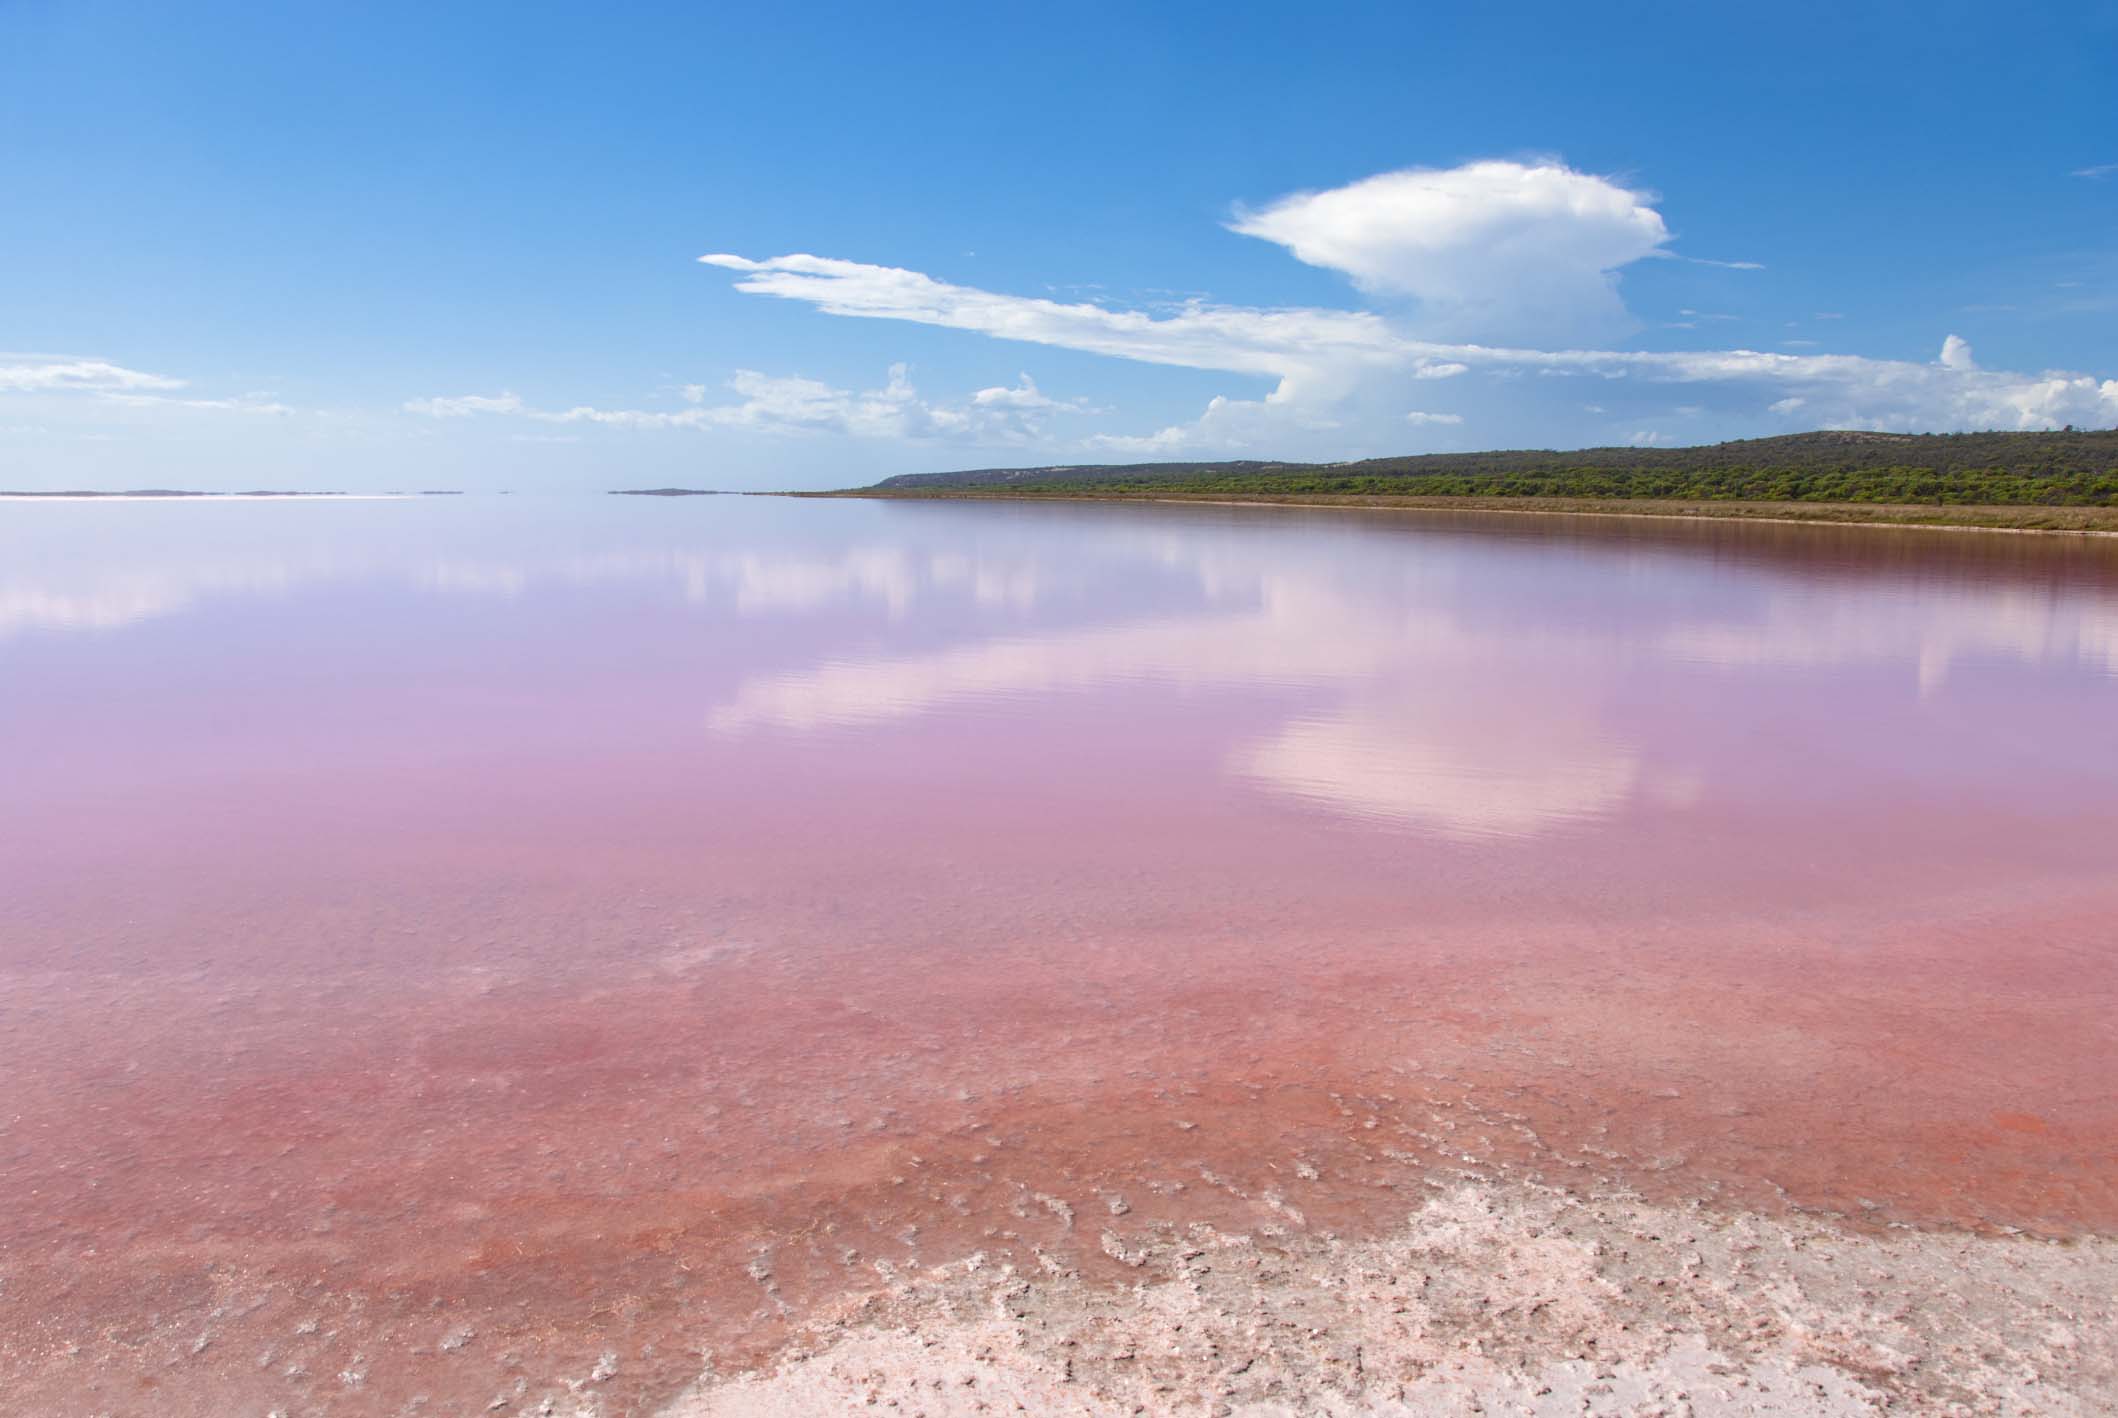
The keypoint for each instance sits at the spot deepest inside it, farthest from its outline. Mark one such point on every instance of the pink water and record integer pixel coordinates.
(449, 942)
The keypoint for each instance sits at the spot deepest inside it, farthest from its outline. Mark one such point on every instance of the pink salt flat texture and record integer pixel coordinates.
(474, 952)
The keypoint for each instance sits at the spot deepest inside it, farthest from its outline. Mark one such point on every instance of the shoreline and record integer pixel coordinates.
(2097, 522)
(1487, 1296)
(219, 496)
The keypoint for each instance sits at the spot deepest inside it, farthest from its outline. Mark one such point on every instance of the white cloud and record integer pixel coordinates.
(241, 404)
(1024, 394)
(1726, 265)
(1280, 344)
(1417, 417)
(99, 382)
(2098, 172)
(464, 405)
(1648, 439)
(1323, 357)
(66, 376)
(1174, 439)
(783, 405)
(1490, 249)
(1851, 391)
(1483, 248)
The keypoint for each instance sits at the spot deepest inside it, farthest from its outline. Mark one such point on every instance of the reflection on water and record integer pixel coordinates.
(1933, 629)
(587, 925)
(1465, 772)
(1414, 735)
(1453, 706)
(1458, 673)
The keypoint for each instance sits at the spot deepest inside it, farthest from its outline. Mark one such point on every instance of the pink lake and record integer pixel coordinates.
(447, 940)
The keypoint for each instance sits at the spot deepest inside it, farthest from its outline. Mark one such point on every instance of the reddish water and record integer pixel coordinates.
(444, 944)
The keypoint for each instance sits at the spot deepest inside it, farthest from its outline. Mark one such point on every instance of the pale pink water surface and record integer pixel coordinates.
(448, 943)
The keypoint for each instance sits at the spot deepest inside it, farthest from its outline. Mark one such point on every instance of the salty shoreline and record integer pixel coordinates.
(608, 1177)
(1490, 1297)
(2071, 521)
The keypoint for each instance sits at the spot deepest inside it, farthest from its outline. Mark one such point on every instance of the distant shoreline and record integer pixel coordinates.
(2060, 481)
(2063, 521)
(181, 495)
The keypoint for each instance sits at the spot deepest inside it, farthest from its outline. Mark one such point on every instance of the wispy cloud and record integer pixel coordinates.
(1482, 274)
(2098, 172)
(1013, 413)
(1323, 357)
(465, 405)
(1199, 336)
(64, 375)
(84, 383)
(241, 404)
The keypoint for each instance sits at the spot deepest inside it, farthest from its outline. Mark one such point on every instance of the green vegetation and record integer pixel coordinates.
(2064, 469)
(1978, 487)
(2010, 475)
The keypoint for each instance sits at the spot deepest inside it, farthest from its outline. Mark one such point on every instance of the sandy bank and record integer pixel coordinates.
(2074, 521)
(1494, 1299)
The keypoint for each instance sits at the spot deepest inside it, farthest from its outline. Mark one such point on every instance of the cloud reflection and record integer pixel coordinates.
(86, 594)
(1414, 737)
(1470, 686)
(1456, 768)
(1932, 631)
(1425, 696)
(1262, 648)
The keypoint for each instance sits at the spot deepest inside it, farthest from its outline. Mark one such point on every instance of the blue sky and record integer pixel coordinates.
(380, 245)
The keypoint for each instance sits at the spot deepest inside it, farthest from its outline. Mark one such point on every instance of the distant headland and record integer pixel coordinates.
(2057, 481)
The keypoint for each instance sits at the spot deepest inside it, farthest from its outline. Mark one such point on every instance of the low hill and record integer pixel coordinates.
(2067, 468)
